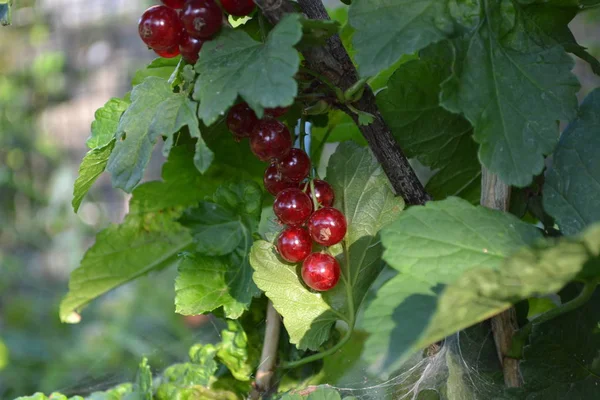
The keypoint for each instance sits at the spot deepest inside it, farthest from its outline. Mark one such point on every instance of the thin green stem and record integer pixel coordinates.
(261, 25)
(313, 195)
(302, 133)
(323, 354)
(324, 80)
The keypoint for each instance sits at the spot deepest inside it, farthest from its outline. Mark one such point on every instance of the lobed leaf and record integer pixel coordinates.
(92, 166)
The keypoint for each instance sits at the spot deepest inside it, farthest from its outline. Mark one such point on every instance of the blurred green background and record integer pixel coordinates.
(59, 62)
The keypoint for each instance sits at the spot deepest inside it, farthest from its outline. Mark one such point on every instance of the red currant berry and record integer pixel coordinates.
(270, 139)
(295, 166)
(190, 47)
(276, 112)
(239, 8)
(160, 28)
(176, 4)
(294, 244)
(327, 226)
(292, 206)
(275, 182)
(320, 271)
(323, 192)
(241, 120)
(202, 18)
(168, 53)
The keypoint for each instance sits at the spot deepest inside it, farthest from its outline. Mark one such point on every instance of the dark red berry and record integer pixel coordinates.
(238, 8)
(292, 206)
(327, 226)
(176, 4)
(168, 53)
(190, 47)
(276, 112)
(270, 140)
(202, 18)
(160, 28)
(294, 244)
(241, 120)
(274, 181)
(323, 192)
(320, 271)
(295, 166)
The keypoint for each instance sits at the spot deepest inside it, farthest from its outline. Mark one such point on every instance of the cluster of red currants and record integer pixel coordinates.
(304, 205)
(182, 26)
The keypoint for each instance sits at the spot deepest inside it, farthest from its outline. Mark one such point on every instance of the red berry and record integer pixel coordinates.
(238, 8)
(327, 226)
(190, 47)
(320, 271)
(168, 53)
(176, 4)
(323, 192)
(276, 112)
(292, 206)
(241, 120)
(202, 18)
(295, 166)
(294, 244)
(270, 139)
(274, 182)
(160, 28)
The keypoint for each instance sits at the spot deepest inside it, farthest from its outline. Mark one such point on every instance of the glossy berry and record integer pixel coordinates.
(176, 4)
(238, 8)
(190, 47)
(323, 192)
(292, 206)
(320, 271)
(294, 244)
(276, 112)
(295, 166)
(168, 53)
(270, 140)
(327, 226)
(241, 120)
(274, 181)
(160, 28)
(202, 18)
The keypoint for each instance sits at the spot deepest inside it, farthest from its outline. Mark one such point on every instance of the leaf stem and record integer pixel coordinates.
(324, 80)
(323, 354)
(261, 25)
(302, 133)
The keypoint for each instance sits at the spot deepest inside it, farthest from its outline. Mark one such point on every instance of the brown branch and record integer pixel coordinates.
(496, 195)
(268, 358)
(333, 62)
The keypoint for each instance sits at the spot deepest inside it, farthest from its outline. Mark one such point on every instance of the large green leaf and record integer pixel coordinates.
(572, 187)
(262, 74)
(437, 138)
(106, 122)
(364, 196)
(432, 246)
(92, 166)
(155, 111)
(561, 361)
(512, 86)
(387, 29)
(221, 227)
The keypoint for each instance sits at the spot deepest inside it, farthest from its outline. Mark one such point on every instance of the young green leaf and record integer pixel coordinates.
(92, 166)
(364, 196)
(236, 353)
(572, 186)
(439, 139)
(159, 67)
(142, 387)
(106, 122)
(262, 74)
(432, 246)
(513, 88)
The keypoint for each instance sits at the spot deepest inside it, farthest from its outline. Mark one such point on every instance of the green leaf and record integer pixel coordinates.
(159, 67)
(106, 122)
(572, 186)
(437, 138)
(314, 393)
(262, 74)
(155, 111)
(561, 361)
(315, 32)
(512, 87)
(142, 388)
(92, 166)
(235, 352)
(432, 246)
(387, 29)
(223, 227)
(364, 196)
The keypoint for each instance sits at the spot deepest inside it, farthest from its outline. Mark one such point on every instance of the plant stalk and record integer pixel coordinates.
(268, 358)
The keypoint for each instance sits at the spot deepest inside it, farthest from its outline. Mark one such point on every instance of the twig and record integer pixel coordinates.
(495, 194)
(268, 358)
